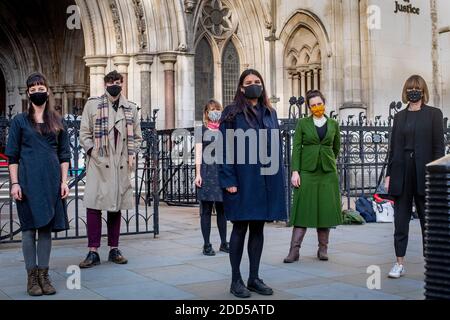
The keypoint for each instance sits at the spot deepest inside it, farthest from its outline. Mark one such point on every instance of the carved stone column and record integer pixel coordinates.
(316, 78)
(97, 66)
(309, 79)
(145, 61)
(70, 94)
(352, 59)
(295, 84)
(24, 96)
(10, 99)
(169, 60)
(58, 92)
(122, 62)
(303, 83)
(79, 92)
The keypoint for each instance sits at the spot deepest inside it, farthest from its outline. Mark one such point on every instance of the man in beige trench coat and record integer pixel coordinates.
(110, 133)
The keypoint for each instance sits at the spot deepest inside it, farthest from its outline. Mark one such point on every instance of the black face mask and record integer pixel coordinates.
(114, 90)
(39, 98)
(253, 92)
(414, 96)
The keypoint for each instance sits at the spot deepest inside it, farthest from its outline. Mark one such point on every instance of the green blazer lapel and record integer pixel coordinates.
(329, 130)
(313, 131)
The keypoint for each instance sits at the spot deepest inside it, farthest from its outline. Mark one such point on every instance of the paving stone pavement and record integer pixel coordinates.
(172, 266)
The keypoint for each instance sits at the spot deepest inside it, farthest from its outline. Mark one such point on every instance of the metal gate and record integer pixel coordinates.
(144, 218)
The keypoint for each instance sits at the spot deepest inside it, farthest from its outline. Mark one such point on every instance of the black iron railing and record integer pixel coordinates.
(364, 148)
(143, 219)
(165, 169)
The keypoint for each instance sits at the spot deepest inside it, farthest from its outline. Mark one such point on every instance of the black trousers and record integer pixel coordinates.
(403, 207)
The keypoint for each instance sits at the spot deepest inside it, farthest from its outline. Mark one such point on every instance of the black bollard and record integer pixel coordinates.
(437, 230)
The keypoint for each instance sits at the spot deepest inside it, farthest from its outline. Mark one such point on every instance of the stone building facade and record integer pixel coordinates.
(176, 54)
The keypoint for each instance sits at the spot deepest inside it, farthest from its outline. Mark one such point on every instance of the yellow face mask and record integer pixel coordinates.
(318, 111)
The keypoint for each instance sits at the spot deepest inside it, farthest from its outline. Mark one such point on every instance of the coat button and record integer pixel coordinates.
(121, 167)
(107, 167)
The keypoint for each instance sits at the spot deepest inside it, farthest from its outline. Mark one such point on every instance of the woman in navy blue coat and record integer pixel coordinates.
(251, 176)
(39, 155)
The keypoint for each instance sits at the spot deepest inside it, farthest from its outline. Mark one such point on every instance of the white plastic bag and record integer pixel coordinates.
(384, 212)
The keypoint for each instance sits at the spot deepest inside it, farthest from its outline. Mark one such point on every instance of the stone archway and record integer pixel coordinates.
(146, 41)
(39, 40)
(306, 50)
(234, 33)
(304, 62)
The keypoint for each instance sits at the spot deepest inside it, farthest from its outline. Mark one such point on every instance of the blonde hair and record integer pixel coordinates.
(416, 82)
(211, 105)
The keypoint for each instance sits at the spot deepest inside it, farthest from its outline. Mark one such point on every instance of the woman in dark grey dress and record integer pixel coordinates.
(209, 192)
(39, 155)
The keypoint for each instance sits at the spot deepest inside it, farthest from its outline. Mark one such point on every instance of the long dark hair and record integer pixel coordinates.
(241, 104)
(52, 119)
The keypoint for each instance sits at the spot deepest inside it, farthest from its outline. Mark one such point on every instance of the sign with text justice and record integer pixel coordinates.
(406, 8)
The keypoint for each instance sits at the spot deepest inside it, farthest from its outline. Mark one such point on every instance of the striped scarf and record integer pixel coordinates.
(101, 129)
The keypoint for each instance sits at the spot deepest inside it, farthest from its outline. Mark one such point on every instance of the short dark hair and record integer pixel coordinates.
(113, 76)
(313, 94)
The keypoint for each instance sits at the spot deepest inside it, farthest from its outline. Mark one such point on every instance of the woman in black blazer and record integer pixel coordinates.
(417, 139)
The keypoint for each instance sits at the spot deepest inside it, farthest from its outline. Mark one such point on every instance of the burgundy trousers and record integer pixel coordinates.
(94, 228)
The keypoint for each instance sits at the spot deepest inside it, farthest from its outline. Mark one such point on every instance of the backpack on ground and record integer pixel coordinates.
(365, 208)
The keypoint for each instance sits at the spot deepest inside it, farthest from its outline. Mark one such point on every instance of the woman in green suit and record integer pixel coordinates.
(317, 199)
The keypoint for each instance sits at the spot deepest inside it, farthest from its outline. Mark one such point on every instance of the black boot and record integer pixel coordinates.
(208, 250)
(258, 286)
(116, 256)
(92, 259)
(239, 290)
(225, 247)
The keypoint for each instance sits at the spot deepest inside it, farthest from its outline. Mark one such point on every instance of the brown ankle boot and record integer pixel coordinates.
(45, 283)
(323, 236)
(297, 238)
(33, 287)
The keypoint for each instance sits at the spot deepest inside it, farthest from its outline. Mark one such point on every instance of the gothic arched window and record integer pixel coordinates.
(304, 62)
(230, 73)
(204, 77)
